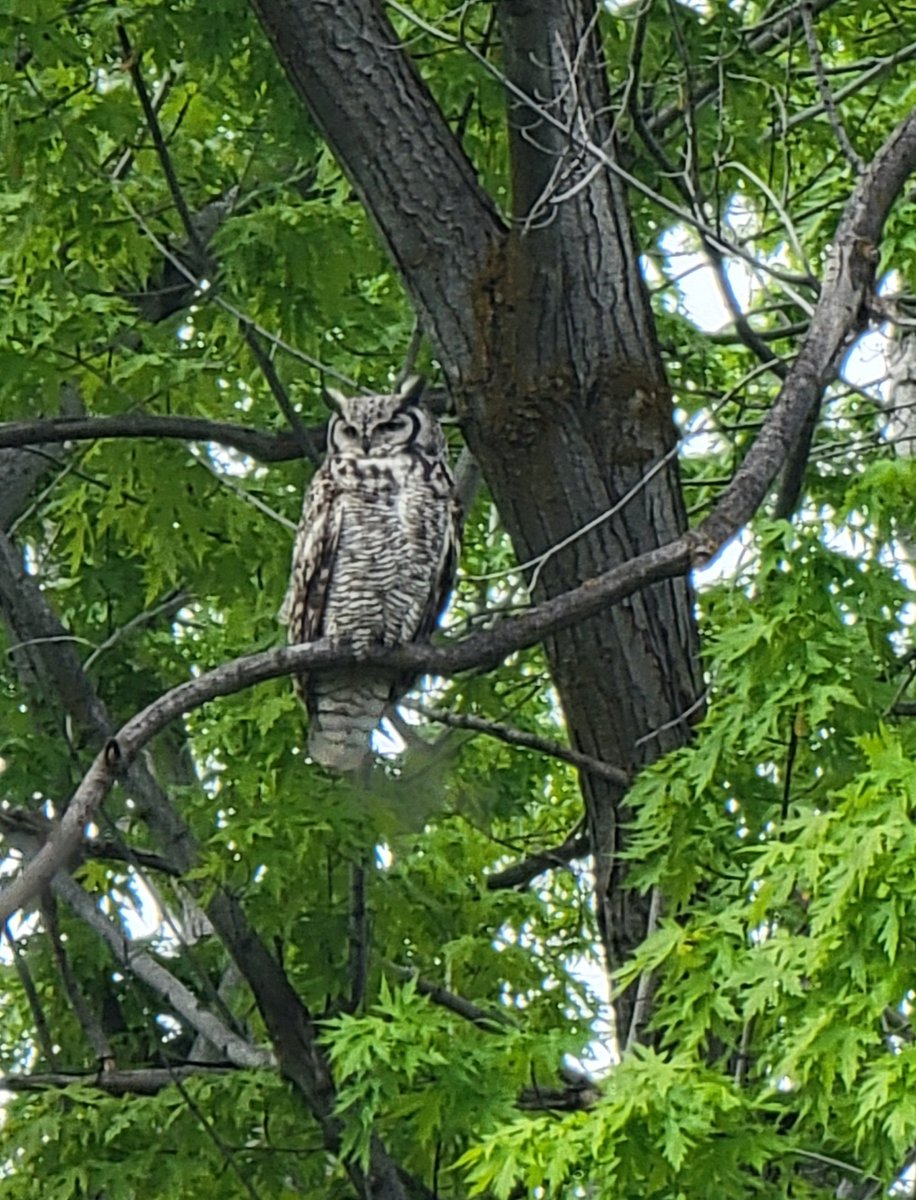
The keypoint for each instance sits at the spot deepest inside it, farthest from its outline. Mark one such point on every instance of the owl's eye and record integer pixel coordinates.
(391, 426)
(350, 431)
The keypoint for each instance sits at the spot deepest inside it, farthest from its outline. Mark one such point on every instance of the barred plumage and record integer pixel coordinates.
(374, 559)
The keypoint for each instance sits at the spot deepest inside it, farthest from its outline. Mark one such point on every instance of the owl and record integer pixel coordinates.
(374, 559)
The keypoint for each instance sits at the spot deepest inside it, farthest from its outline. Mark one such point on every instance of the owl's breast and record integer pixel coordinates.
(392, 527)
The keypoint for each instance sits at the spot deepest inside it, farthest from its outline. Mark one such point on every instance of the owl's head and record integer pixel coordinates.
(379, 426)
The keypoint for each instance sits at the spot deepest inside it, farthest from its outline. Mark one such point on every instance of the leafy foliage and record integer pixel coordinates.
(781, 1056)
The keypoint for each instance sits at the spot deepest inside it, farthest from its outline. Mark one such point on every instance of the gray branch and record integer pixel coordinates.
(145, 968)
(267, 447)
(141, 1081)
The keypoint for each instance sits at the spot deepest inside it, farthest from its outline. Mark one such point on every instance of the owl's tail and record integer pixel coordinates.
(344, 714)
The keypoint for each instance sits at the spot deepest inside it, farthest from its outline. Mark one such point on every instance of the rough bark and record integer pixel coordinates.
(580, 416)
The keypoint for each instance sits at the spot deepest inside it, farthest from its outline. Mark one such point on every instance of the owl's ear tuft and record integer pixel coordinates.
(411, 390)
(334, 399)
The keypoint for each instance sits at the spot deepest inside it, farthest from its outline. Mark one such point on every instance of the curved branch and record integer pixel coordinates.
(267, 447)
(484, 649)
(840, 313)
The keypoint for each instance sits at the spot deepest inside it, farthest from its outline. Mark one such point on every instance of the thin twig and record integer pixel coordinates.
(88, 1022)
(301, 432)
(171, 604)
(529, 741)
(39, 1020)
(243, 494)
(814, 52)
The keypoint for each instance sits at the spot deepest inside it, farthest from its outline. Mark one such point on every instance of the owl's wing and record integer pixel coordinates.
(444, 575)
(313, 560)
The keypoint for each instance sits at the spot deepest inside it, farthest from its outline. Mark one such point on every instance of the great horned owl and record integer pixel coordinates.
(374, 559)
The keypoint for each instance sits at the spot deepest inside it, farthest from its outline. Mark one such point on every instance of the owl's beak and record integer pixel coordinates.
(366, 444)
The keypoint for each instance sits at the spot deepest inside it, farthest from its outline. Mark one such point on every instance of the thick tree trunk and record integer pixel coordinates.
(547, 338)
(572, 412)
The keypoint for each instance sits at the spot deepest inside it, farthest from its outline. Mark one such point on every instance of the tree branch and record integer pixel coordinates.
(267, 447)
(140, 1081)
(288, 1022)
(27, 831)
(519, 874)
(461, 1007)
(767, 38)
(90, 1024)
(140, 964)
(817, 65)
(529, 741)
(42, 1032)
(840, 314)
(193, 231)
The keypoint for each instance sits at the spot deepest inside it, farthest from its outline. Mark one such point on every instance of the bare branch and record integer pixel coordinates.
(494, 1020)
(90, 1024)
(301, 432)
(267, 447)
(171, 604)
(817, 65)
(520, 737)
(275, 340)
(764, 39)
(840, 314)
(141, 1081)
(132, 60)
(875, 68)
(144, 967)
(577, 845)
(27, 831)
(42, 1032)
(573, 134)
(192, 229)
